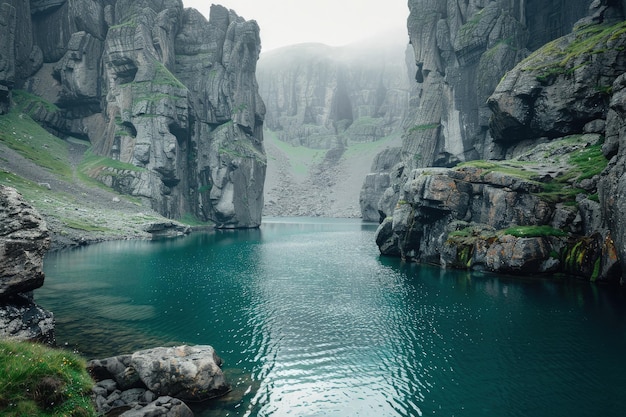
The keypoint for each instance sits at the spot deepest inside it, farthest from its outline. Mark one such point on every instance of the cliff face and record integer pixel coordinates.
(323, 97)
(545, 198)
(170, 95)
(24, 240)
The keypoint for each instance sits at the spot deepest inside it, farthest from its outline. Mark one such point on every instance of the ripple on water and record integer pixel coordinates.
(312, 322)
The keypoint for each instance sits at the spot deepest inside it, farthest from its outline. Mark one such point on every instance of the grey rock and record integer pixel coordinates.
(24, 240)
(320, 97)
(152, 85)
(22, 319)
(185, 372)
(7, 54)
(162, 407)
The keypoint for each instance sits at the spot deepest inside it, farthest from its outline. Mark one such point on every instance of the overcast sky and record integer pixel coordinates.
(332, 22)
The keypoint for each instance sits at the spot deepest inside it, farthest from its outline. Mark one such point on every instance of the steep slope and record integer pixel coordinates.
(544, 202)
(153, 86)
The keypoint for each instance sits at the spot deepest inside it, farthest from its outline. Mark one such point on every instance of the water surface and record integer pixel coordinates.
(311, 321)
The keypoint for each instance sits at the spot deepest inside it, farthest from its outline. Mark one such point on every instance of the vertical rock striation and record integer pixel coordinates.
(549, 126)
(24, 240)
(324, 97)
(154, 86)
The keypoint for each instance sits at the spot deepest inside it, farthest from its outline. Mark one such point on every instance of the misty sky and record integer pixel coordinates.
(333, 22)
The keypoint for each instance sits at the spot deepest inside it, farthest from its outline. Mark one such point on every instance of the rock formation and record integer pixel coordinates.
(542, 201)
(24, 240)
(324, 97)
(171, 96)
(145, 382)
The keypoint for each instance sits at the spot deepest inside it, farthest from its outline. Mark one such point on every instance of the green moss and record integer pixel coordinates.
(83, 225)
(589, 162)
(556, 57)
(29, 374)
(534, 231)
(596, 270)
(24, 99)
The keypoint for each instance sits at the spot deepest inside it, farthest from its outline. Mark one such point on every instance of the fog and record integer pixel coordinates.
(331, 22)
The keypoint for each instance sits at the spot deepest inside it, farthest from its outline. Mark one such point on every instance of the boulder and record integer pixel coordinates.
(24, 240)
(131, 382)
(185, 372)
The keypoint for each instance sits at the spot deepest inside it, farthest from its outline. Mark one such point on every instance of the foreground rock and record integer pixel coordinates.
(24, 240)
(513, 216)
(188, 373)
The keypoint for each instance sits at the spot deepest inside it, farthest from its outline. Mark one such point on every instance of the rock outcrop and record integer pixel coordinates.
(546, 198)
(171, 96)
(24, 240)
(157, 380)
(324, 97)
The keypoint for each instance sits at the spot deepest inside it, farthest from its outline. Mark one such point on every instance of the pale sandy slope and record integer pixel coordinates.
(305, 184)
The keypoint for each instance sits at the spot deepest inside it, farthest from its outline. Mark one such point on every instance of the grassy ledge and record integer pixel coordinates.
(36, 380)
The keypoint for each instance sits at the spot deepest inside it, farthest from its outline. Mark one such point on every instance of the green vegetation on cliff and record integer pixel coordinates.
(559, 56)
(36, 380)
(21, 133)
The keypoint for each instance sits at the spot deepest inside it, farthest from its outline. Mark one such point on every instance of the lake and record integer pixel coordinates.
(311, 321)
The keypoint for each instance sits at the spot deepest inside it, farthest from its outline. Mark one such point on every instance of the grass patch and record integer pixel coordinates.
(534, 231)
(21, 133)
(589, 162)
(93, 165)
(556, 57)
(36, 380)
(420, 128)
(78, 224)
(301, 158)
(191, 220)
(583, 163)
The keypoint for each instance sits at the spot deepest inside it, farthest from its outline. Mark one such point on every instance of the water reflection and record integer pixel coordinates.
(312, 321)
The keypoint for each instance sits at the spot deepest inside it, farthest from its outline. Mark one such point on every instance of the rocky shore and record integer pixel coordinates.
(151, 382)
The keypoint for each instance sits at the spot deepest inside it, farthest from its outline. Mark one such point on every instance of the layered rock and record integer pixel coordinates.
(24, 240)
(154, 86)
(549, 207)
(461, 52)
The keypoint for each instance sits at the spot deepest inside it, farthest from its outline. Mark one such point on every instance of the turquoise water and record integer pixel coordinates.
(311, 321)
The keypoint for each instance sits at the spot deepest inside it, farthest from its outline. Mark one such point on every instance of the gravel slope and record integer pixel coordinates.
(76, 213)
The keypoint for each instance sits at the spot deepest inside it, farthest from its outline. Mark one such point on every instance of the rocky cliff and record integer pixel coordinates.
(324, 97)
(541, 107)
(169, 95)
(24, 240)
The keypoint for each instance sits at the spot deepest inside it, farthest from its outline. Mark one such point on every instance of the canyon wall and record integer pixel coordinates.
(513, 163)
(169, 95)
(325, 97)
